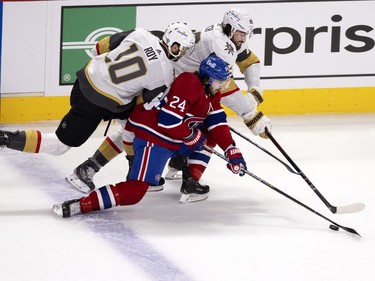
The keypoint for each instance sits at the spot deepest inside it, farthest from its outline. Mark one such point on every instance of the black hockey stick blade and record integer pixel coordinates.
(348, 229)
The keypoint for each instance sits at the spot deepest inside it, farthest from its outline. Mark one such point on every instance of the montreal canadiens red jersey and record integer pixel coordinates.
(185, 106)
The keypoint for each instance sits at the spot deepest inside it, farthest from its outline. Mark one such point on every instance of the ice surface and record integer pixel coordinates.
(243, 231)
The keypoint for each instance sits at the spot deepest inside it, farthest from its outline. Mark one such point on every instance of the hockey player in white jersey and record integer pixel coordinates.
(108, 87)
(229, 41)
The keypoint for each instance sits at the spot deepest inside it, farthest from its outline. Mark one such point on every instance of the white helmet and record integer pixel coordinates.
(238, 19)
(178, 33)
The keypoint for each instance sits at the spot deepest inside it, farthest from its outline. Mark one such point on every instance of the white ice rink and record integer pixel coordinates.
(244, 231)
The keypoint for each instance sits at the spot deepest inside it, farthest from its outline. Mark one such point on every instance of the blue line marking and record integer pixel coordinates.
(105, 224)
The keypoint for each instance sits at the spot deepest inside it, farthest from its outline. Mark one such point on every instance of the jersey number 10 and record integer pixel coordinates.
(121, 63)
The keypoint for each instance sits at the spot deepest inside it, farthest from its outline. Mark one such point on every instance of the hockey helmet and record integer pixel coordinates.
(178, 33)
(214, 68)
(238, 19)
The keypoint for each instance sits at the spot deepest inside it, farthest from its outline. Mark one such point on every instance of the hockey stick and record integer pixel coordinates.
(348, 229)
(350, 208)
(264, 150)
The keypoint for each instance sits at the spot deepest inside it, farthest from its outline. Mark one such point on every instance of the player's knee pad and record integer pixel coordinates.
(75, 129)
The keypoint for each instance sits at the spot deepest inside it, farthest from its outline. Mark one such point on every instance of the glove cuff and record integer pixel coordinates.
(253, 120)
(256, 94)
(232, 151)
(193, 138)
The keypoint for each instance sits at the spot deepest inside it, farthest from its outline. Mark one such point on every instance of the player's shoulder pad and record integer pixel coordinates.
(116, 39)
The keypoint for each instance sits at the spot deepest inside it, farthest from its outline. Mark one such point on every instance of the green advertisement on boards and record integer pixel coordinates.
(82, 27)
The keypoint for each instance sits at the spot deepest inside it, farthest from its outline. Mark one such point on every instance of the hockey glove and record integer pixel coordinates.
(196, 140)
(236, 162)
(257, 93)
(257, 123)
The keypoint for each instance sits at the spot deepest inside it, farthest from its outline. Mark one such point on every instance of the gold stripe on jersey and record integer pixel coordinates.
(103, 45)
(232, 86)
(32, 141)
(139, 100)
(109, 96)
(247, 62)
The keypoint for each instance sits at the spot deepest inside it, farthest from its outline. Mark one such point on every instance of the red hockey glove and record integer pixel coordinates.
(196, 140)
(236, 162)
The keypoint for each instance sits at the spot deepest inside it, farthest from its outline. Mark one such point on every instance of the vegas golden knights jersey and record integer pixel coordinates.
(137, 66)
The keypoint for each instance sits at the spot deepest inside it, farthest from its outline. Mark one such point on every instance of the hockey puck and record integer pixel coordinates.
(334, 227)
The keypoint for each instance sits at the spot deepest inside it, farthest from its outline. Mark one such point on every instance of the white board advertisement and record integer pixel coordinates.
(307, 44)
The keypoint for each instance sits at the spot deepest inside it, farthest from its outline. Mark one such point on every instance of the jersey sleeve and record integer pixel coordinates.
(216, 124)
(109, 43)
(245, 59)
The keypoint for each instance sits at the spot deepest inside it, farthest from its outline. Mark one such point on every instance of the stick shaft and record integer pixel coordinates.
(263, 149)
(348, 229)
(333, 209)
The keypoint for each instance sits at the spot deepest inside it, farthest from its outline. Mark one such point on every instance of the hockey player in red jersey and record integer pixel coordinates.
(229, 41)
(188, 119)
(108, 87)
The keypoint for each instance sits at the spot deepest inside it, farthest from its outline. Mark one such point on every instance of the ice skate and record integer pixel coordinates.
(155, 188)
(82, 177)
(5, 138)
(67, 209)
(192, 190)
(173, 174)
(175, 166)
